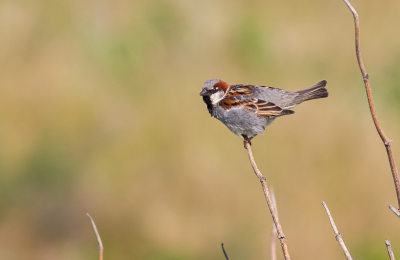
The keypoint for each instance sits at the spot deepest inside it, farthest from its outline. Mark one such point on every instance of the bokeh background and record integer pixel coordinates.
(100, 113)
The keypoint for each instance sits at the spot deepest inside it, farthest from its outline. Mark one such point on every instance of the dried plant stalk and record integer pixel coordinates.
(281, 235)
(223, 250)
(338, 236)
(389, 249)
(385, 139)
(274, 233)
(98, 237)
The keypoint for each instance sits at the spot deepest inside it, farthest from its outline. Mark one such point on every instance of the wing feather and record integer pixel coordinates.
(239, 95)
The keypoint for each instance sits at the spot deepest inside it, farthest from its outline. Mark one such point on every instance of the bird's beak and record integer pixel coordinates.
(204, 92)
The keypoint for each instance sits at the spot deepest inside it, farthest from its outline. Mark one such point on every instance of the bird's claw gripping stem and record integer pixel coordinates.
(247, 140)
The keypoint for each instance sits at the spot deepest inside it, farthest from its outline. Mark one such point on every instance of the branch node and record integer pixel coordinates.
(392, 162)
(388, 142)
(338, 236)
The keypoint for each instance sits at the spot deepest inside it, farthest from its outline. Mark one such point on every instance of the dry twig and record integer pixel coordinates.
(395, 211)
(263, 181)
(98, 238)
(389, 249)
(385, 139)
(338, 236)
(223, 250)
(274, 232)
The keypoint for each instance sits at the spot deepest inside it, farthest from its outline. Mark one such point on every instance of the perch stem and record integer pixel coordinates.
(263, 180)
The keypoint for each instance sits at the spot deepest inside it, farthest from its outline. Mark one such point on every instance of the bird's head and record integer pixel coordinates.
(214, 90)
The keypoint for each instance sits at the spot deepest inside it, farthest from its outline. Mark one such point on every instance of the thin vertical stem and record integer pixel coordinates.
(274, 232)
(338, 236)
(263, 180)
(98, 238)
(223, 250)
(387, 142)
(389, 249)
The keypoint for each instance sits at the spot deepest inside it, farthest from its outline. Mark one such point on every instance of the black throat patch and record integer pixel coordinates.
(207, 100)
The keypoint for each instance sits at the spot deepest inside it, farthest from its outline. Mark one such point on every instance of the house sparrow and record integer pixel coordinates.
(247, 109)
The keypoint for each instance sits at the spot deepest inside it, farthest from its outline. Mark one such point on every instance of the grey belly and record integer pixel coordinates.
(243, 123)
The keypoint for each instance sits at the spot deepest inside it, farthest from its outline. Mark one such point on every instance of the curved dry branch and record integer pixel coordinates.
(387, 142)
(281, 235)
(338, 236)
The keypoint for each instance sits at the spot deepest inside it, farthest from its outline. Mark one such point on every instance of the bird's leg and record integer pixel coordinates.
(247, 140)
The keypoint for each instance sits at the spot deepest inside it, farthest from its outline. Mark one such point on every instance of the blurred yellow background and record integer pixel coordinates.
(101, 113)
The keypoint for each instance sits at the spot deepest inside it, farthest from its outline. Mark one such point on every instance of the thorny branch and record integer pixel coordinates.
(98, 238)
(387, 142)
(272, 209)
(338, 236)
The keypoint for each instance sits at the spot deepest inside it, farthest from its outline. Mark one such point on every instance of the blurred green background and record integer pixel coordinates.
(100, 113)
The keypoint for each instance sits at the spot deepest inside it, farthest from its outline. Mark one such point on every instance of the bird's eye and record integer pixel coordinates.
(214, 90)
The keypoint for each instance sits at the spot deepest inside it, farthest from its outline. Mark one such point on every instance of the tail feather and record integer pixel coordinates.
(314, 92)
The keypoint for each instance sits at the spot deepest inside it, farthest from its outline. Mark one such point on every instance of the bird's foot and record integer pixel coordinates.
(247, 140)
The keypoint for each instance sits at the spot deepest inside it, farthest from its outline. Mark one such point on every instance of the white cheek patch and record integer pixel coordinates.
(216, 97)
